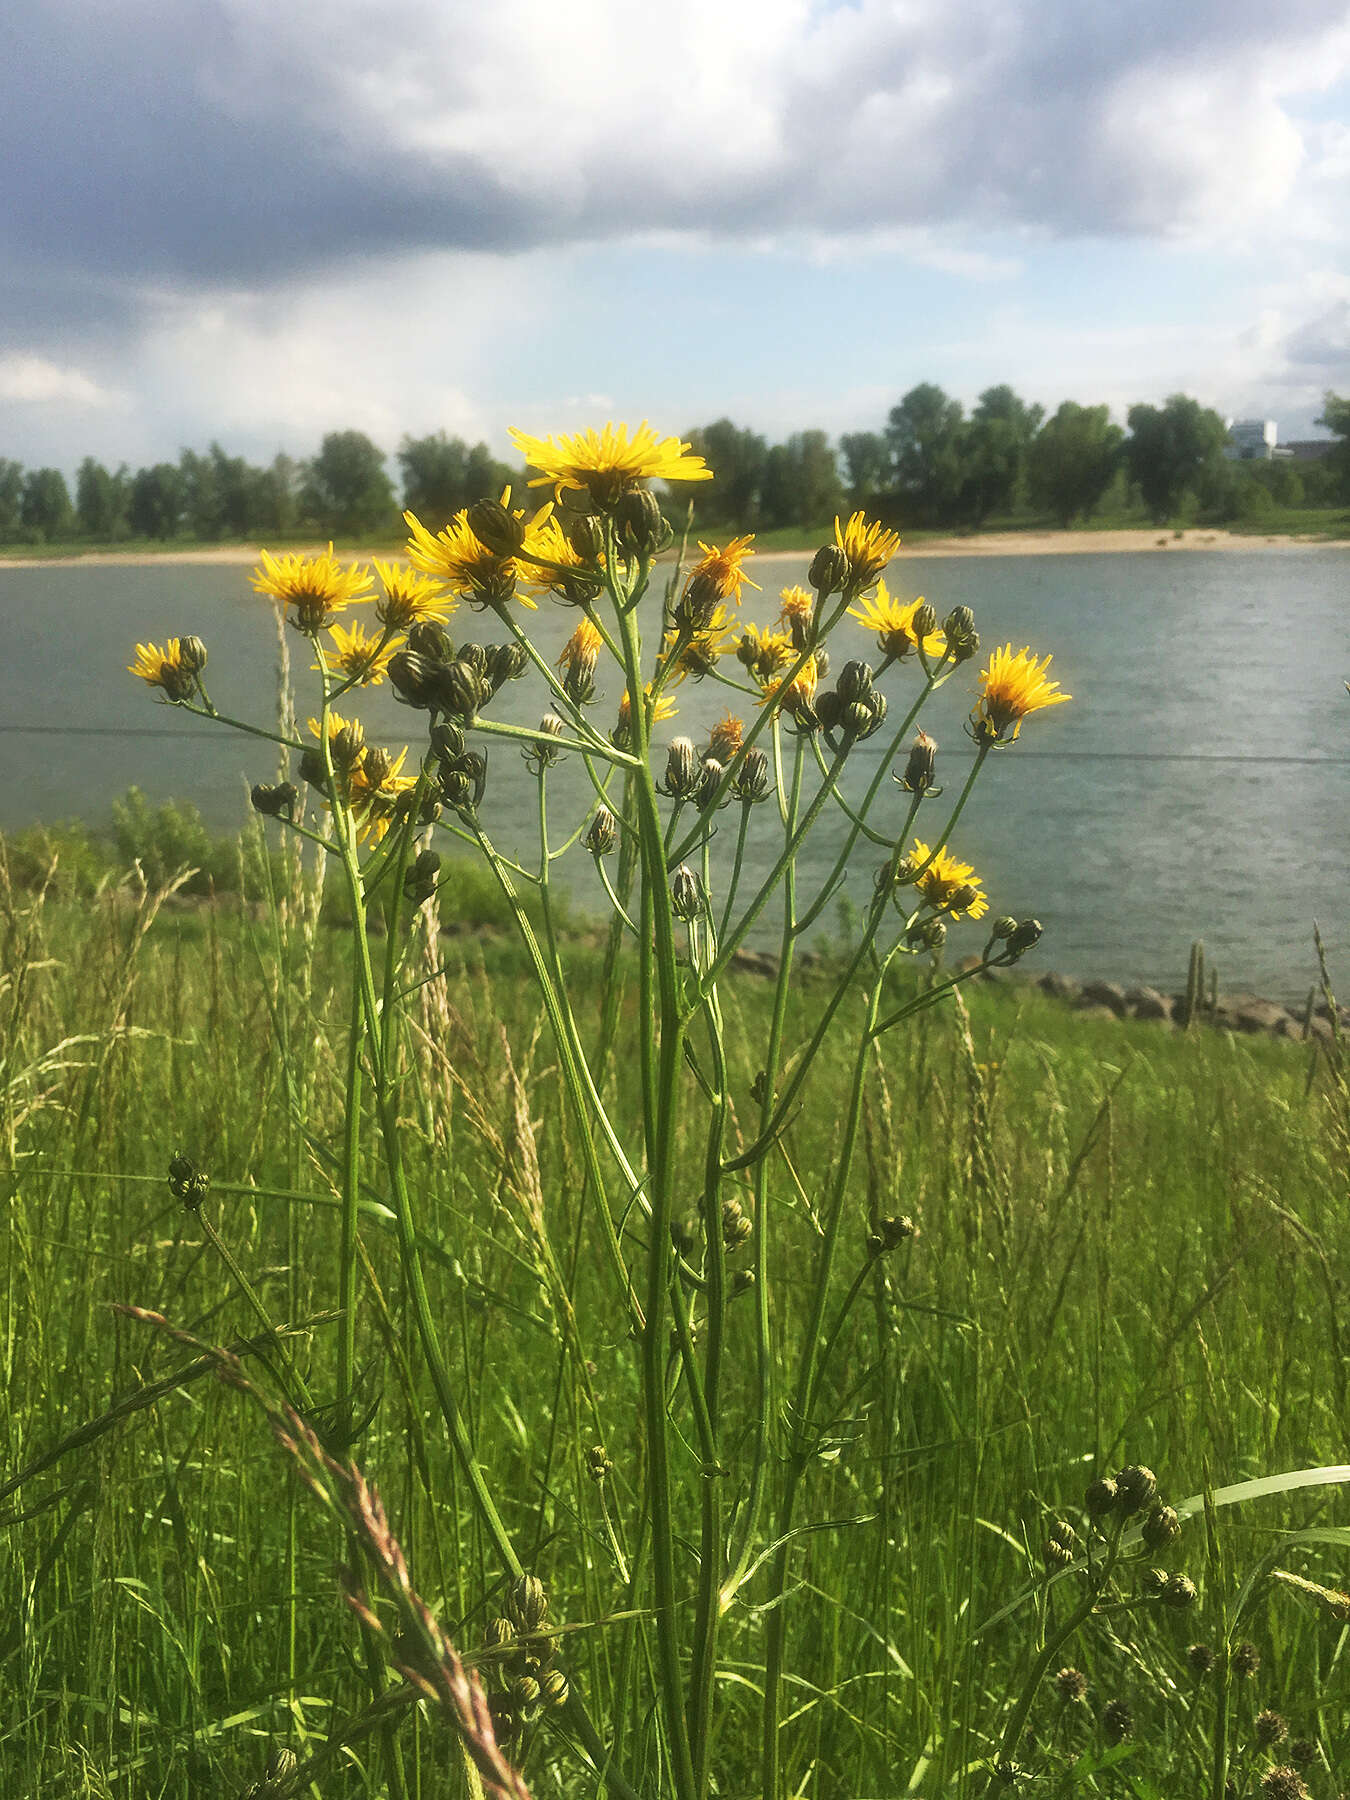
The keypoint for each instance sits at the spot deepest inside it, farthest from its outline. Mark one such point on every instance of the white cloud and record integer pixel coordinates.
(36, 381)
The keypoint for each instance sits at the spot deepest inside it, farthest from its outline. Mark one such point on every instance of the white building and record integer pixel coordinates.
(1251, 440)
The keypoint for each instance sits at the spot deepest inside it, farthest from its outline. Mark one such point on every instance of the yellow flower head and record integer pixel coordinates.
(607, 462)
(722, 570)
(795, 607)
(346, 741)
(698, 655)
(796, 694)
(1010, 688)
(765, 653)
(374, 789)
(893, 622)
(582, 649)
(359, 657)
(456, 557)
(311, 588)
(661, 709)
(726, 737)
(948, 885)
(167, 668)
(575, 578)
(868, 547)
(409, 596)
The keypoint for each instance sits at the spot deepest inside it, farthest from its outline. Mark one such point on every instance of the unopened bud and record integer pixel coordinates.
(1003, 928)
(427, 638)
(1246, 1659)
(1161, 1527)
(1117, 1721)
(419, 882)
(639, 526)
(1100, 1497)
(829, 569)
(553, 1689)
(191, 655)
(1179, 1592)
(187, 1182)
(598, 1465)
(1136, 1487)
(274, 802)
(281, 1764)
(855, 682)
(682, 768)
(528, 1605)
(1071, 1685)
(376, 765)
(686, 893)
(752, 779)
(922, 763)
(495, 528)
(924, 622)
(1025, 937)
(1270, 1727)
(603, 834)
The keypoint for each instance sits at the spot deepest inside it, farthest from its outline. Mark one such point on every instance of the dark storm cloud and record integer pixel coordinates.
(230, 141)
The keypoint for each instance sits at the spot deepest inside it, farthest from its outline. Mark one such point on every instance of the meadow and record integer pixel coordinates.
(452, 1348)
(1127, 1252)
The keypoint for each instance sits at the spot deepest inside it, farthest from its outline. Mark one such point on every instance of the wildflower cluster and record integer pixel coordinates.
(695, 839)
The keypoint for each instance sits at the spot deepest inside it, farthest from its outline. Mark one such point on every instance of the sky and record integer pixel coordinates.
(256, 223)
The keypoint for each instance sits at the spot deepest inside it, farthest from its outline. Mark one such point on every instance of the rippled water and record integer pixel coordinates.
(1199, 785)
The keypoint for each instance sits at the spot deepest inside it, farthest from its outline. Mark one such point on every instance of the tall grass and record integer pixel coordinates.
(1128, 1251)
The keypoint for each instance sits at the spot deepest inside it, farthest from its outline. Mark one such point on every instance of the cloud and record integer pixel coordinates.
(237, 139)
(33, 381)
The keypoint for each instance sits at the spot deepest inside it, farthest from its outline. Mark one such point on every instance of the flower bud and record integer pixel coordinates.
(927, 934)
(1117, 1721)
(742, 1282)
(855, 682)
(1100, 1497)
(187, 1182)
(922, 763)
(1136, 1487)
(419, 881)
(686, 893)
(736, 1228)
(1246, 1659)
(1179, 1593)
(584, 533)
(274, 802)
(191, 655)
(1072, 1685)
(499, 1634)
(1201, 1659)
(528, 1604)
(495, 528)
(964, 897)
(1025, 937)
(710, 776)
(752, 779)
(1270, 1727)
(376, 765)
(598, 1465)
(1002, 928)
(639, 526)
(460, 689)
(411, 675)
(829, 710)
(829, 569)
(505, 662)
(446, 740)
(523, 1692)
(924, 622)
(553, 1689)
(1283, 1783)
(603, 834)
(281, 1764)
(1055, 1555)
(682, 768)
(1161, 1527)
(540, 755)
(427, 638)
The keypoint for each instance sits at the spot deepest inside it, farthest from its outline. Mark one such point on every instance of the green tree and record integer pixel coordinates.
(1071, 461)
(867, 467)
(441, 475)
(998, 436)
(801, 481)
(346, 488)
(738, 459)
(156, 504)
(1170, 449)
(1335, 416)
(11, 500)
(926, 437)
(45, 511)
(274, 504)
(101, 501)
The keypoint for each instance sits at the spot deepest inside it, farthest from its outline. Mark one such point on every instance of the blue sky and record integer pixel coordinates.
(221, 218)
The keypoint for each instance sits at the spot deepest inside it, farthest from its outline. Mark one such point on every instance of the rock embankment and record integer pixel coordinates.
(1249, 1014)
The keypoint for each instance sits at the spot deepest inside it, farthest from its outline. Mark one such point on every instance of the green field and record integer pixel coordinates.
(1130, 1251)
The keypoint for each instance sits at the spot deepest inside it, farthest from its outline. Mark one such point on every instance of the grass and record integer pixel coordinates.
(1128, 1252)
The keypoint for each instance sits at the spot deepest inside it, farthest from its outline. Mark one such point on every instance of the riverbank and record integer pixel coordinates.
(1132, 540)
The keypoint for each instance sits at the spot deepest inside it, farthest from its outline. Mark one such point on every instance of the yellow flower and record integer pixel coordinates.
(374, 789)
(606, 462)
(409, 596)
(465, 565)
(663, 709)
(796, 607)
(765, 653)
(726, 737)
(699, 655)
(722, 570)
(893, 622)
(346, 740)
(948, 885)
(360, 658)
(582, 649)
(575, 579)
(795, 694)
(165, 669)
(311, 588)
(868, 547)
(1010, 688)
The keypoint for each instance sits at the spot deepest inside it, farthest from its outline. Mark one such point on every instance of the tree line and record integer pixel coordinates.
(933, 465)
(344, 491)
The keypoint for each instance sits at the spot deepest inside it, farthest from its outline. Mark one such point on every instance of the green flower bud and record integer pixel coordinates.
(1161, 1527)
(528, 1604)
(1136, 1487)
(274, 802)
(920, 768)
(924, 622)
(495, 528)
(682, 768)
(1025, 937)
(686, 893)
(281, 1764)
(639, 526)
(855, 682)
(829, 569)
(603, 834)
(1100, 1497)
(191, 655)
(752, 779)
(431, 640)
(1179, 1593)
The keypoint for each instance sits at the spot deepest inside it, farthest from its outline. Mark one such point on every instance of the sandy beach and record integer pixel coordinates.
(994, 543)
